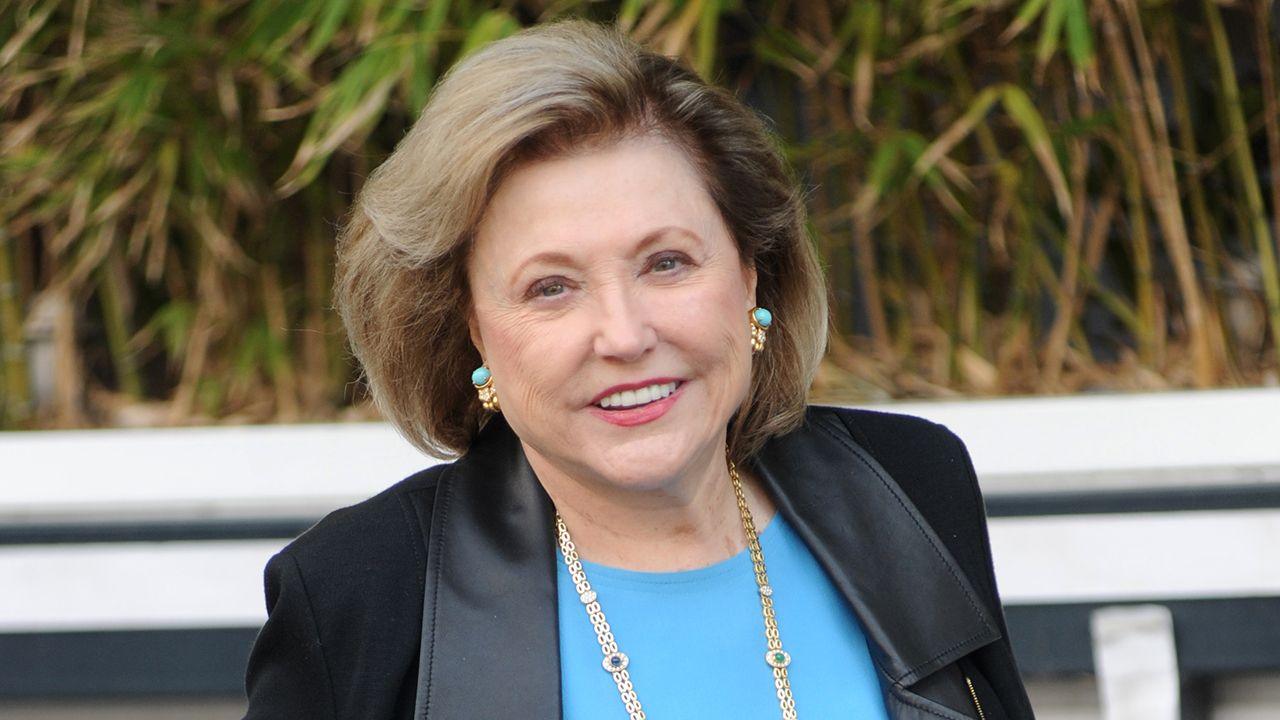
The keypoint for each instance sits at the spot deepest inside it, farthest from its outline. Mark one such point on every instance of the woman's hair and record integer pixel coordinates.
(549, 91)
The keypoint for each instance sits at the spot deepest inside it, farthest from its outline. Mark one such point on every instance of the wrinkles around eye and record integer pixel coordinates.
(664, 263)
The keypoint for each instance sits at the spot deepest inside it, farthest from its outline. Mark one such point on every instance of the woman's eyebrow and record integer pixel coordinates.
(559, 257)
(550, 257)
(653, 236)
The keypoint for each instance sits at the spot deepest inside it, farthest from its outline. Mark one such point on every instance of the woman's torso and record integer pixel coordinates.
(437, 597)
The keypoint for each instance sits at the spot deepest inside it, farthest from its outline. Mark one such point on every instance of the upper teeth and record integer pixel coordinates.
(631, 398)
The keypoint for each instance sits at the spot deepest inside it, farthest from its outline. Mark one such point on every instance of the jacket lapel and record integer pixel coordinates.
(490, 642)
(916, 606)
(490, 638)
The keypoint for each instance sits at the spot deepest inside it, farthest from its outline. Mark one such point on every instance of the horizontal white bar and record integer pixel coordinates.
(1020, 444)
(131, 586)
(1086, 434)
(1093, 558)
(1139, 556)
(207, 472)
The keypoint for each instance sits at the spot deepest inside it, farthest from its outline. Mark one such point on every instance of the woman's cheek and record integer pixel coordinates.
(507, 337)
(546, 343)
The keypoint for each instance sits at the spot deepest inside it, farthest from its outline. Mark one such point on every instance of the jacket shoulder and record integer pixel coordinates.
(932, 466)
(392, 519)
(927, 455)
(862, 423)
(379, 542)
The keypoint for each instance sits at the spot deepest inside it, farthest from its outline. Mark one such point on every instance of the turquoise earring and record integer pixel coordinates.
(761, 319)
(483, 380)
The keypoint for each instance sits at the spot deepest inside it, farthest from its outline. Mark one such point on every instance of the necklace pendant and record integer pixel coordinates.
(615, 662)
(777, 658)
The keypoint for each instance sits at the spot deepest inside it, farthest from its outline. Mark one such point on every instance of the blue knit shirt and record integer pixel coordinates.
(696, 641)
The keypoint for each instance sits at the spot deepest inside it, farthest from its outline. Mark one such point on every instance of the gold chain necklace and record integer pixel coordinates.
(615, 661)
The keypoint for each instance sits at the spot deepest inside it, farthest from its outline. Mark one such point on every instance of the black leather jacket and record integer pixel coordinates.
(436, 599)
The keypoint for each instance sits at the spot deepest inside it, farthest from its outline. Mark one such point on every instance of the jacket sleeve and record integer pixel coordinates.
(287, 675)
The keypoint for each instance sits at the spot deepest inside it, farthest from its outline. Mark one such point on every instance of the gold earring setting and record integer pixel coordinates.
(761, 319)
(482, 379)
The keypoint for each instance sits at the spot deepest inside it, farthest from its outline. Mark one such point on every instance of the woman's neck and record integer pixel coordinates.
(690, 522)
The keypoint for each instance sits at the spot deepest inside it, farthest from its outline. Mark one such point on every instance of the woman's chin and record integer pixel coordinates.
(645, 466)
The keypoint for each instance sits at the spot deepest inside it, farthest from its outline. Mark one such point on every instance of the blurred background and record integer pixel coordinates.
(1074, 202)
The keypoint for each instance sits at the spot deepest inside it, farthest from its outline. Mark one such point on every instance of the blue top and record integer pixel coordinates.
(696, 644)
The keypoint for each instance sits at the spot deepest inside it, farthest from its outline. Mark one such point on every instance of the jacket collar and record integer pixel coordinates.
(490, 640)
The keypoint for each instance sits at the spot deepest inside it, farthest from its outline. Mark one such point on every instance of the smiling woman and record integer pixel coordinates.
(567, 275)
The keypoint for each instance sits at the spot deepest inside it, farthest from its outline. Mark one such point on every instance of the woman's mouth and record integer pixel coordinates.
(639, 406)
(640, 396)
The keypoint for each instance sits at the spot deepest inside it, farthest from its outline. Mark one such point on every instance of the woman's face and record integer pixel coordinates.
(599, 274)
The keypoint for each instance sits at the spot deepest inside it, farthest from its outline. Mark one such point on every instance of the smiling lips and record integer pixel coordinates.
(640, 396)
(638, 403)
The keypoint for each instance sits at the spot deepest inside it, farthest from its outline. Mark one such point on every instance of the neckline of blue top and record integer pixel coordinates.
(609, 574)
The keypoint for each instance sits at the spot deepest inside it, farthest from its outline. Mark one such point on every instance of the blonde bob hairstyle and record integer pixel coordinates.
(548, 91)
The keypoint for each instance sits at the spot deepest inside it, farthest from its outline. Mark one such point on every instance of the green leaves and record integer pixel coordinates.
(1079, 35)
(346, 107)
(1058, 18)
(1033, 127)
(1017, 106)
(156, 160)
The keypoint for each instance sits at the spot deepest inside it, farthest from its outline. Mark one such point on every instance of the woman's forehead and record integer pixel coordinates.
(612, 198)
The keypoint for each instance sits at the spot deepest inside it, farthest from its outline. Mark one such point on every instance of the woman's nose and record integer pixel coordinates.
(624, 331)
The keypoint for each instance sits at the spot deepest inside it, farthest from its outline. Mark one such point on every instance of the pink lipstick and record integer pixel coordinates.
(640, 414)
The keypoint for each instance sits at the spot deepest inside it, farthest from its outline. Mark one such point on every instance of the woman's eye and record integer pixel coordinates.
(667, 263)
(547, 289)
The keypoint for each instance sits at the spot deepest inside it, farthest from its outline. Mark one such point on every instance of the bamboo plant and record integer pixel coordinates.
(1037, 196)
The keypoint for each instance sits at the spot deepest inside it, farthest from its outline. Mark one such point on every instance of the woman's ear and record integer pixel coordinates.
(473, 326)
(749, 278)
